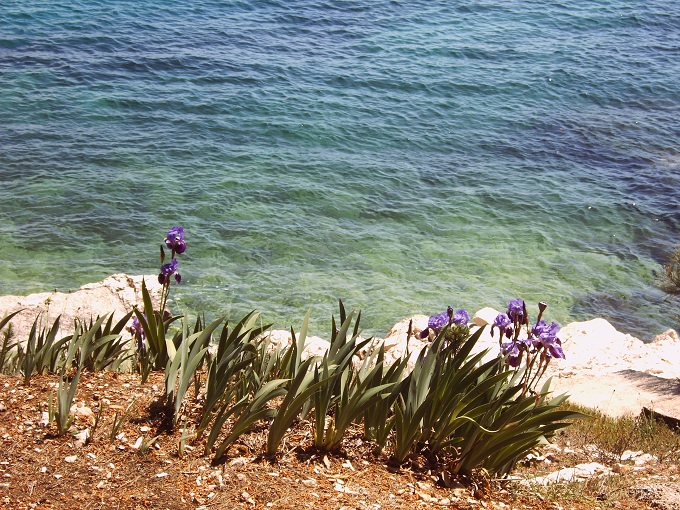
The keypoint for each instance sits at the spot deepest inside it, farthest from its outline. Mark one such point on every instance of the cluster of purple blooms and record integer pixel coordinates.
(541, 337)
(175, 242)
(437, 322)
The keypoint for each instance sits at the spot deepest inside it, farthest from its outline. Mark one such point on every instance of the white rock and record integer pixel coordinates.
(81, 438)
(397, 335)
(630, 455)
(670, 337)
(81, 411)
(117, 293)
(572, 474)
(279, 337)
(315, 346)
(425, 497)
(340, 487)
(644, 459)
(596, 346)
(485, 316)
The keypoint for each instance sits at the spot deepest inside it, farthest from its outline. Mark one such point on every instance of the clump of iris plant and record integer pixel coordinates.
(150, 328)
(453, 325)
(536, 344)
(175, 242)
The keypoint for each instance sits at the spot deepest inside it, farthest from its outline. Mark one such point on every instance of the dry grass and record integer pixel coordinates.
(616, 443)
(611, 437)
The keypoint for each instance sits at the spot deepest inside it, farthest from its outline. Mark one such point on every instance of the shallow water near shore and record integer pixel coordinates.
(401, 157)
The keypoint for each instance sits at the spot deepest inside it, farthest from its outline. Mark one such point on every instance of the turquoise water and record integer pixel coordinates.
(401, 156)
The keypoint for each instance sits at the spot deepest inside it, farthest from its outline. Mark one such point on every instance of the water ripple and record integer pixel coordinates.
(398, 156)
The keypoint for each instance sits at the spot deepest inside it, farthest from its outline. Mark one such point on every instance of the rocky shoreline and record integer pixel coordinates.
(604, 368)
(118, 293)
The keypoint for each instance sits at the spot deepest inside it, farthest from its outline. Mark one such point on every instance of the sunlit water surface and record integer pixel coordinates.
(401, 156)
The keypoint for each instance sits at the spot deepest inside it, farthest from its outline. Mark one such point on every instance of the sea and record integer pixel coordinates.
(400, 156)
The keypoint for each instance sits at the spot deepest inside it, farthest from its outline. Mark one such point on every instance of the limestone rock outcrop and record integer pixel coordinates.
(118, 293)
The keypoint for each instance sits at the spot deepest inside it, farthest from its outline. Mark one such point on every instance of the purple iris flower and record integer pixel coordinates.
(546, 335)
(167, 270)
(544, 331)
(461, 317)
(137, 332)
(136, 329)
(437, 322)
(516, 309)
(502, 322)
(175, 240)
(513, 352)
(555, 348)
